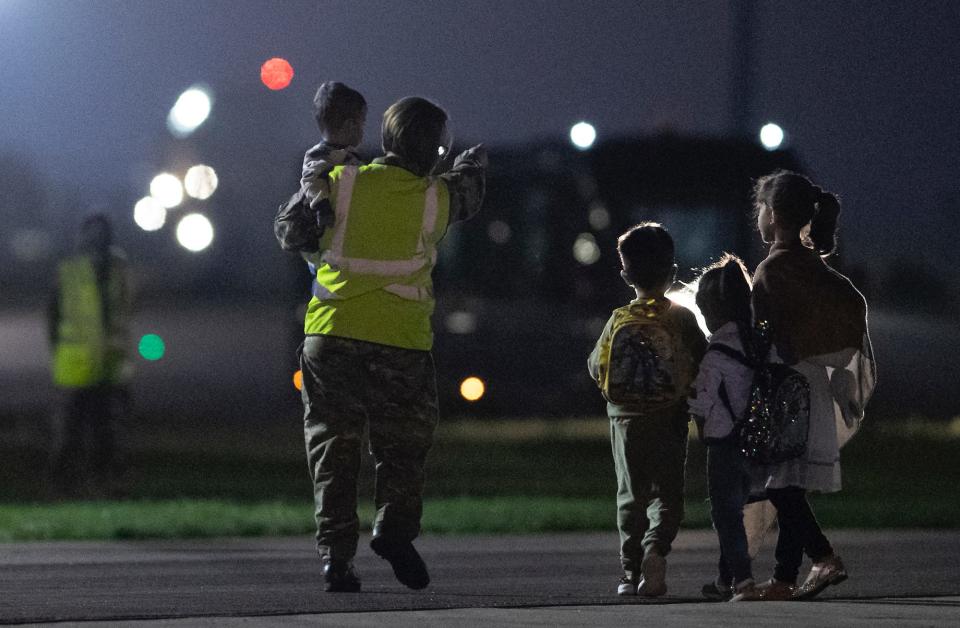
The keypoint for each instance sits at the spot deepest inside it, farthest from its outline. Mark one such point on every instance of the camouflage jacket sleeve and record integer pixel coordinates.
(296, 225)
(317, 164)
(301, 221)
(466, 183)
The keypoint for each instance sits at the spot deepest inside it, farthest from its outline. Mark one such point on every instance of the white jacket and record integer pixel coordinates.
(718, 369)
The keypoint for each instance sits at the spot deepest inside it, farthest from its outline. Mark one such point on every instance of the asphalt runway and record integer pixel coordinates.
(898, 578)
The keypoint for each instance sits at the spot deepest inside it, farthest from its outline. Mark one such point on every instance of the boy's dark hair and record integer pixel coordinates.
(795, 201)
(335, 103)
(646, 252)
(413, 129)
(723, 291)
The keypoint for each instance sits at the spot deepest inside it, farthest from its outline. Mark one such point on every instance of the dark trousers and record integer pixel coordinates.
(649, 453)
(85, 442)
(729, 486)
(349, 386)
(799, 533)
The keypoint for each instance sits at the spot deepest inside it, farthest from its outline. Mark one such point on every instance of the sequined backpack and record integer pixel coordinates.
(775, 425)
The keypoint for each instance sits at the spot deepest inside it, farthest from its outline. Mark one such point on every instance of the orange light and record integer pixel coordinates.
(472, 388)
(276, 73)
(298, 380)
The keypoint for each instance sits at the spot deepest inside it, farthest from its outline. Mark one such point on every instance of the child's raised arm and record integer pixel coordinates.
(466, 183)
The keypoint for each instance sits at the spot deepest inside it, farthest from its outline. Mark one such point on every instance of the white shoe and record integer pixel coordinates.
(627, 586)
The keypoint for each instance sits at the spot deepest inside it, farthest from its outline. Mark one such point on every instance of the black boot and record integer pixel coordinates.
(339, 576)
(407, 565)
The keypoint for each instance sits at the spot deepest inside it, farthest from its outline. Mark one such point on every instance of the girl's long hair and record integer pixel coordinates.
(724, 290)
(796, 201)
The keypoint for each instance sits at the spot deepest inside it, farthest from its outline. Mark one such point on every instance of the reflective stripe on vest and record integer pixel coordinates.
(426, 253)
(410, 293)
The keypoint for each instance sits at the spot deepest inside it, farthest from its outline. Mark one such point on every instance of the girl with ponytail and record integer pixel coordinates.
(817, 321)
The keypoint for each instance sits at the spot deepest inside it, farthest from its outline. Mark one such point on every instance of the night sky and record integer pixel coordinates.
(867, 91)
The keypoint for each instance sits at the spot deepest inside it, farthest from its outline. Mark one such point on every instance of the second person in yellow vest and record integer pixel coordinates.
(88, 330)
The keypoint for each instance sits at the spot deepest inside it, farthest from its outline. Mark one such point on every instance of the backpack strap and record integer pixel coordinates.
(725, 398)
(732, 353)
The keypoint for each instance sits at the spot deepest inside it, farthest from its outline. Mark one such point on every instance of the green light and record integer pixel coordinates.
(152, 347)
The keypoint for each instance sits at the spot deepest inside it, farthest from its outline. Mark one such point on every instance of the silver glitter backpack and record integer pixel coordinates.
(776, 422)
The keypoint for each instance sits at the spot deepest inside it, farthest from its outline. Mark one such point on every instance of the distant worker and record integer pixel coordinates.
(366, 358)
(644, 363)
(88, 319)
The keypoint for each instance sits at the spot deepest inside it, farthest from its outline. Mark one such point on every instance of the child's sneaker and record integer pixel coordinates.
(717, 591)
(627, 586)
(653, 575)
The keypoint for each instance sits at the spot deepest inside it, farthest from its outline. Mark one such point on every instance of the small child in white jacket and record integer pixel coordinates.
(721, 393)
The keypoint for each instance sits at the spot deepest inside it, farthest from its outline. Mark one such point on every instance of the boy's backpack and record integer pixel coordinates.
(643, 364)
(776, 422)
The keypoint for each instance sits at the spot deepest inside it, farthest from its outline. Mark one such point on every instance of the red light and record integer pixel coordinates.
(276, 73)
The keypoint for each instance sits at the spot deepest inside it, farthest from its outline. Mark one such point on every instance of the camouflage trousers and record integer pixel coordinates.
(351, 385)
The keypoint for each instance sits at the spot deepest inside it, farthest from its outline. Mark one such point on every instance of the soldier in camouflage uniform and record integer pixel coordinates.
(366, 358)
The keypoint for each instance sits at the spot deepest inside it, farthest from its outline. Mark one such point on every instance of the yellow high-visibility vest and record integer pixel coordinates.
(86, 353)
(374, 267)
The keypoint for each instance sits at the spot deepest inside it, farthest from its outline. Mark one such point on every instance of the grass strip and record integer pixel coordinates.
(202, 518)
(167, 519)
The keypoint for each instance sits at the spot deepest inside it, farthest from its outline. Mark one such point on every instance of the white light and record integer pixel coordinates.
(189, 112)
(200, 181)
(149, 214)
(167, 190)
(441, 151)
(686, 296)
(461, 322)
(582, 134)
(194, 232)
(585, 249)
(598, 217)
(771, 136)
(499, 231)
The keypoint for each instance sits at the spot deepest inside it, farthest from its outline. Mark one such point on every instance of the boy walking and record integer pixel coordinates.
(644, 363)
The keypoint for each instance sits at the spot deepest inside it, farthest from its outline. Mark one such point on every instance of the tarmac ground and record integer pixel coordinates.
(897, 578)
